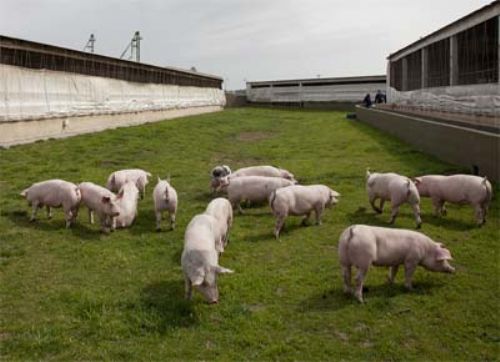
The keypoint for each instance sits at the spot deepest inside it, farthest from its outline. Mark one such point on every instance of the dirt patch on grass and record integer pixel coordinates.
(254, 136)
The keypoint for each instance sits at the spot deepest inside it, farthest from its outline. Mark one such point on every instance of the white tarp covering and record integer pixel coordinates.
(29, 93)
(476, 99)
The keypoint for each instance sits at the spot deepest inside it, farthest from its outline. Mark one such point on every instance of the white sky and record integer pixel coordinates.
(240, 39)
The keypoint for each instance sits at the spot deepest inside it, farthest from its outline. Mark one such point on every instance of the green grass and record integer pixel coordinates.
(80, 295)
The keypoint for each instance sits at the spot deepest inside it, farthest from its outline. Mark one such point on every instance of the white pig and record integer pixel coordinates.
(118, 178)
(101, 201)
(396, 188)
(217, 173)
(362, 246)
(127, 200)
(54, 193)
(269, 171)
(200, 259)
(221, 209)
(251, 188)
(457, 189)
(165, 199)
(300, 200)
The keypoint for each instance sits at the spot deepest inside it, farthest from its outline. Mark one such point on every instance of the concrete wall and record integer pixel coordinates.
(458, 145)
(12, 133)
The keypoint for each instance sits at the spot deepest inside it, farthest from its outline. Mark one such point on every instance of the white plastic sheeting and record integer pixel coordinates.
(477, 99)
(29, 93)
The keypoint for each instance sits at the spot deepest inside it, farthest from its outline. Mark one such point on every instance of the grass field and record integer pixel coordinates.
(79, 295)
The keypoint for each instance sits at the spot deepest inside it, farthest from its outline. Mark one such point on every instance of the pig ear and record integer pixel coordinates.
(105, 199)
(417, 180)
(159, 179)
(120, 194)
(221, 270)
(197, 281)
(443, 254)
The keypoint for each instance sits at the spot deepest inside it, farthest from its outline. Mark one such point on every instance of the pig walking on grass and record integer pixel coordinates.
(101, 201)
(265, 170)
(362, 246)
(165, 199)
(457, 189)
(118, 178)
(221, 209)
(127, 200)
(252, 188)
(54, 193)
(300, 200)
(396, 188)
(200, 259)
(217, 173)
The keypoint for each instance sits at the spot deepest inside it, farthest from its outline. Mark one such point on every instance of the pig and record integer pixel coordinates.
(102, 201)
(251, 188)
(217, 173)
(118, 178)
(200, 259)
(457, 189)
(362, 246)
(165, 199)
(221, 209)
(127, 200)
(300, 200)
(54, 193)
(269, 171)
(391, 186)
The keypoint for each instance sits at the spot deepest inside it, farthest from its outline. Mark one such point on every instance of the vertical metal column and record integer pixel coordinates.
(453, 60)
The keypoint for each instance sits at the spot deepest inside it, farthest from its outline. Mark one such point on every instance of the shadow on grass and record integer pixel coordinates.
(165, 300)
(448, 222)
(21, 219)
(336, 299)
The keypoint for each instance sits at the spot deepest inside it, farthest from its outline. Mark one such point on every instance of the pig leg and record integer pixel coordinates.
(416, 213)
(382, 201)
(360, 277)
(394, 213)
(49, 212)
(346, 273)
(34, 209)
(438, 206)
(188, 288)
(305, 219)
(172, 221)
(68, 215)
(372, 202)
(91, 216)
(280, 221)
(158, 220)
(409, 270)
(479, 215)
(393, 270)
(318, 210)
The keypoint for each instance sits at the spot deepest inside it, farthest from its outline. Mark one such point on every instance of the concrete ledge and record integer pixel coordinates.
(14, 133)
(462, 146)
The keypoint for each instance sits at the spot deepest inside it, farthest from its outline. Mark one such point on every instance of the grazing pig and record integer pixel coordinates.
(118, 178)
(54, 193)
(200, 259)
(458, 189)
(127, 200)
(362, 246)
(101, 201)
(300, 200)
(221, 209)
(396, 188)
(268, 171)
(165, 199)
(251, 188)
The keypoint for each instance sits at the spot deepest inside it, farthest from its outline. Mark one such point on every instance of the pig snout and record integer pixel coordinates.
(215, 301)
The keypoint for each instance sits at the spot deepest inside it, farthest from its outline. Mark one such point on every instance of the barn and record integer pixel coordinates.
(49, 92)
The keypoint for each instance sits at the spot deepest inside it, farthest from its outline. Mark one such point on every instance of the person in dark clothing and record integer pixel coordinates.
(367, 101)
(380, 97)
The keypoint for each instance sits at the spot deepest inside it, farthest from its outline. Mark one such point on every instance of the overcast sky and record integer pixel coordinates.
(240, 39)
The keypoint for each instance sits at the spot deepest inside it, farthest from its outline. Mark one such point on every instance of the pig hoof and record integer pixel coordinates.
(158, 230)
(419, 226)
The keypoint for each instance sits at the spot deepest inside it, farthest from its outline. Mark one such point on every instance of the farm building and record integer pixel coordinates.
(454, 69)
(443, 93)
(48, 91)
(314, 91)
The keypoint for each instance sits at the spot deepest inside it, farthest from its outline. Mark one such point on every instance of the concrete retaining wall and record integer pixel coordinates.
(12, 133)
(458, 145)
